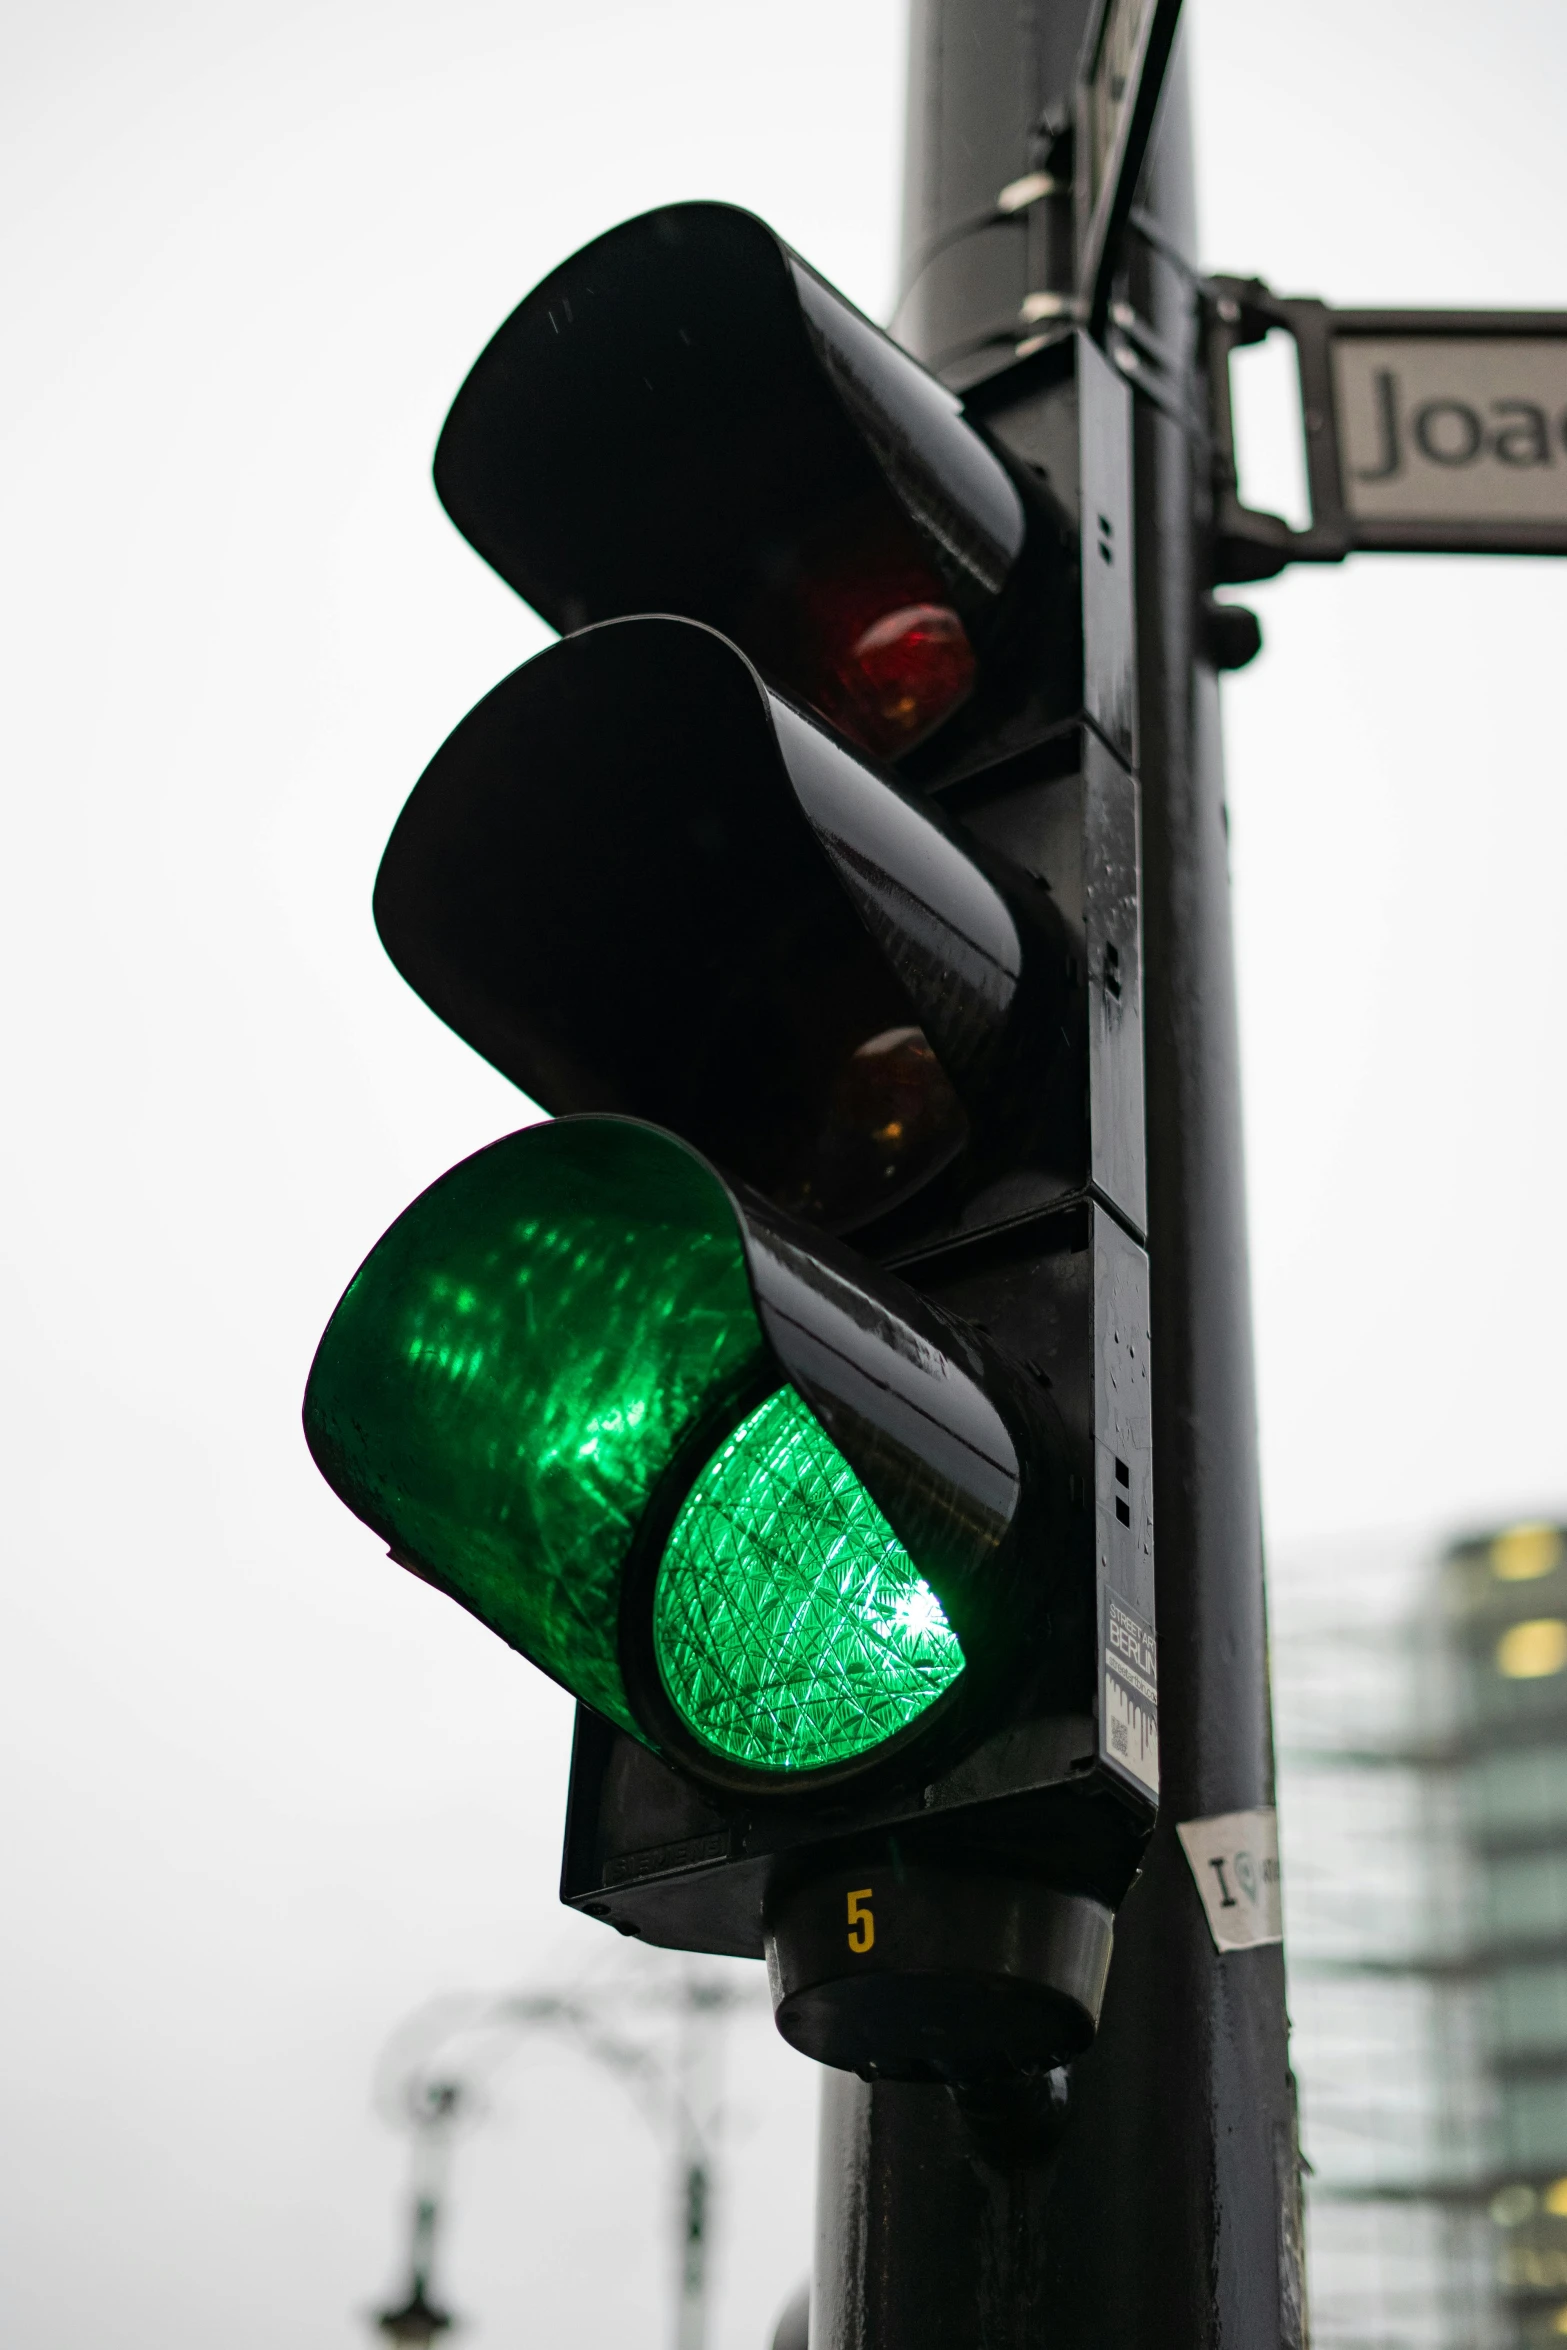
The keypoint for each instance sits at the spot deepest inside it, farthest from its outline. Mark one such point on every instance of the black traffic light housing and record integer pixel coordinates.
(1068, 1772)
(815, 844)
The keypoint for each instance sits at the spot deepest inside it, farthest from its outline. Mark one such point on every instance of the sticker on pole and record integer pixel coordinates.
(1129, 1713)
(1235, 1860)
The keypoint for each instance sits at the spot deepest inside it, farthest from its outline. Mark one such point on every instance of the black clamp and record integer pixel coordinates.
(1248, 544)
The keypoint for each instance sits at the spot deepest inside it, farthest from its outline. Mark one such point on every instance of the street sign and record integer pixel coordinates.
(1119, 79)
(1455, 430)
(1427, 431)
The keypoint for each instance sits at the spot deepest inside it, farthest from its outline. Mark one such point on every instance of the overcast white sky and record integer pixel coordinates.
(265, 1794)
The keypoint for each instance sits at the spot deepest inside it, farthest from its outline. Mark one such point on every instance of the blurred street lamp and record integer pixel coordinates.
(430, 2078)
(432, 2108)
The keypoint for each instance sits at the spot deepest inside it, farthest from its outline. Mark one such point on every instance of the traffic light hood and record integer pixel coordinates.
(637, 880)
(684, 417)
(751, 1501)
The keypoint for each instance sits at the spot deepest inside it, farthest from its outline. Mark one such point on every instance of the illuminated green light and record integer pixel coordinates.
(791, 1627)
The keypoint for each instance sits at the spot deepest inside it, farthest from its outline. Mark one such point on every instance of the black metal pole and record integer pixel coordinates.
(1166, 2213)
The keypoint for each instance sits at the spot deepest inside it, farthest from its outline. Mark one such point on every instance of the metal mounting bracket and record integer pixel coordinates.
(1248, 544)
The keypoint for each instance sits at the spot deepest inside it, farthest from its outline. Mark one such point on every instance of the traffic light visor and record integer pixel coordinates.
(515, 1366)
(578, 1390)
(684, 417)
(638, 881)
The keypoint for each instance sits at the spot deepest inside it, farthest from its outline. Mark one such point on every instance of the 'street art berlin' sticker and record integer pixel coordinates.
(1235, 1860)
(1129, 1721)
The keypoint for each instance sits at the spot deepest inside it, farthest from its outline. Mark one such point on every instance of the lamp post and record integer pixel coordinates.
(431, 2078)
(433, 2109)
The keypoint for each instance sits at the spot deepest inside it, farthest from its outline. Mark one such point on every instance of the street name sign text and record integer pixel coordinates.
(1427, 431)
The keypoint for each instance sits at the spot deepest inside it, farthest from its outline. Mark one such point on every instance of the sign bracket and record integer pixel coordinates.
(1438, 432)
(1249, 544)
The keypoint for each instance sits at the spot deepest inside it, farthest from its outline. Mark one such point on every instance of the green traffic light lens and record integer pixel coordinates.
(791, 1627)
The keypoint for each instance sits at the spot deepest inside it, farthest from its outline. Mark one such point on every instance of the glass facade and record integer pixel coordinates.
(1422, 1723)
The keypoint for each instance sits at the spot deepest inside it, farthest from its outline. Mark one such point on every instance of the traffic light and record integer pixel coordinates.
(639, 880)
(684, 417)
(724, 1443)
(785, 1395)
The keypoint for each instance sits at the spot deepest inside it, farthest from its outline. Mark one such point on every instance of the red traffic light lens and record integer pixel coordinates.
(904, 674)
(891, 662)
(862, 629)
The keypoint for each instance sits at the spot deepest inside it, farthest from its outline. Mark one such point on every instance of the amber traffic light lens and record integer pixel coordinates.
(893, 1122)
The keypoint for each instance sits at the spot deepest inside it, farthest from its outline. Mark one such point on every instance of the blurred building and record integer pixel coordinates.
(1422, 1725)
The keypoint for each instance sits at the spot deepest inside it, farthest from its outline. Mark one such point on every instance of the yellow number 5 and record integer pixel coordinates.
(862, 1926)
